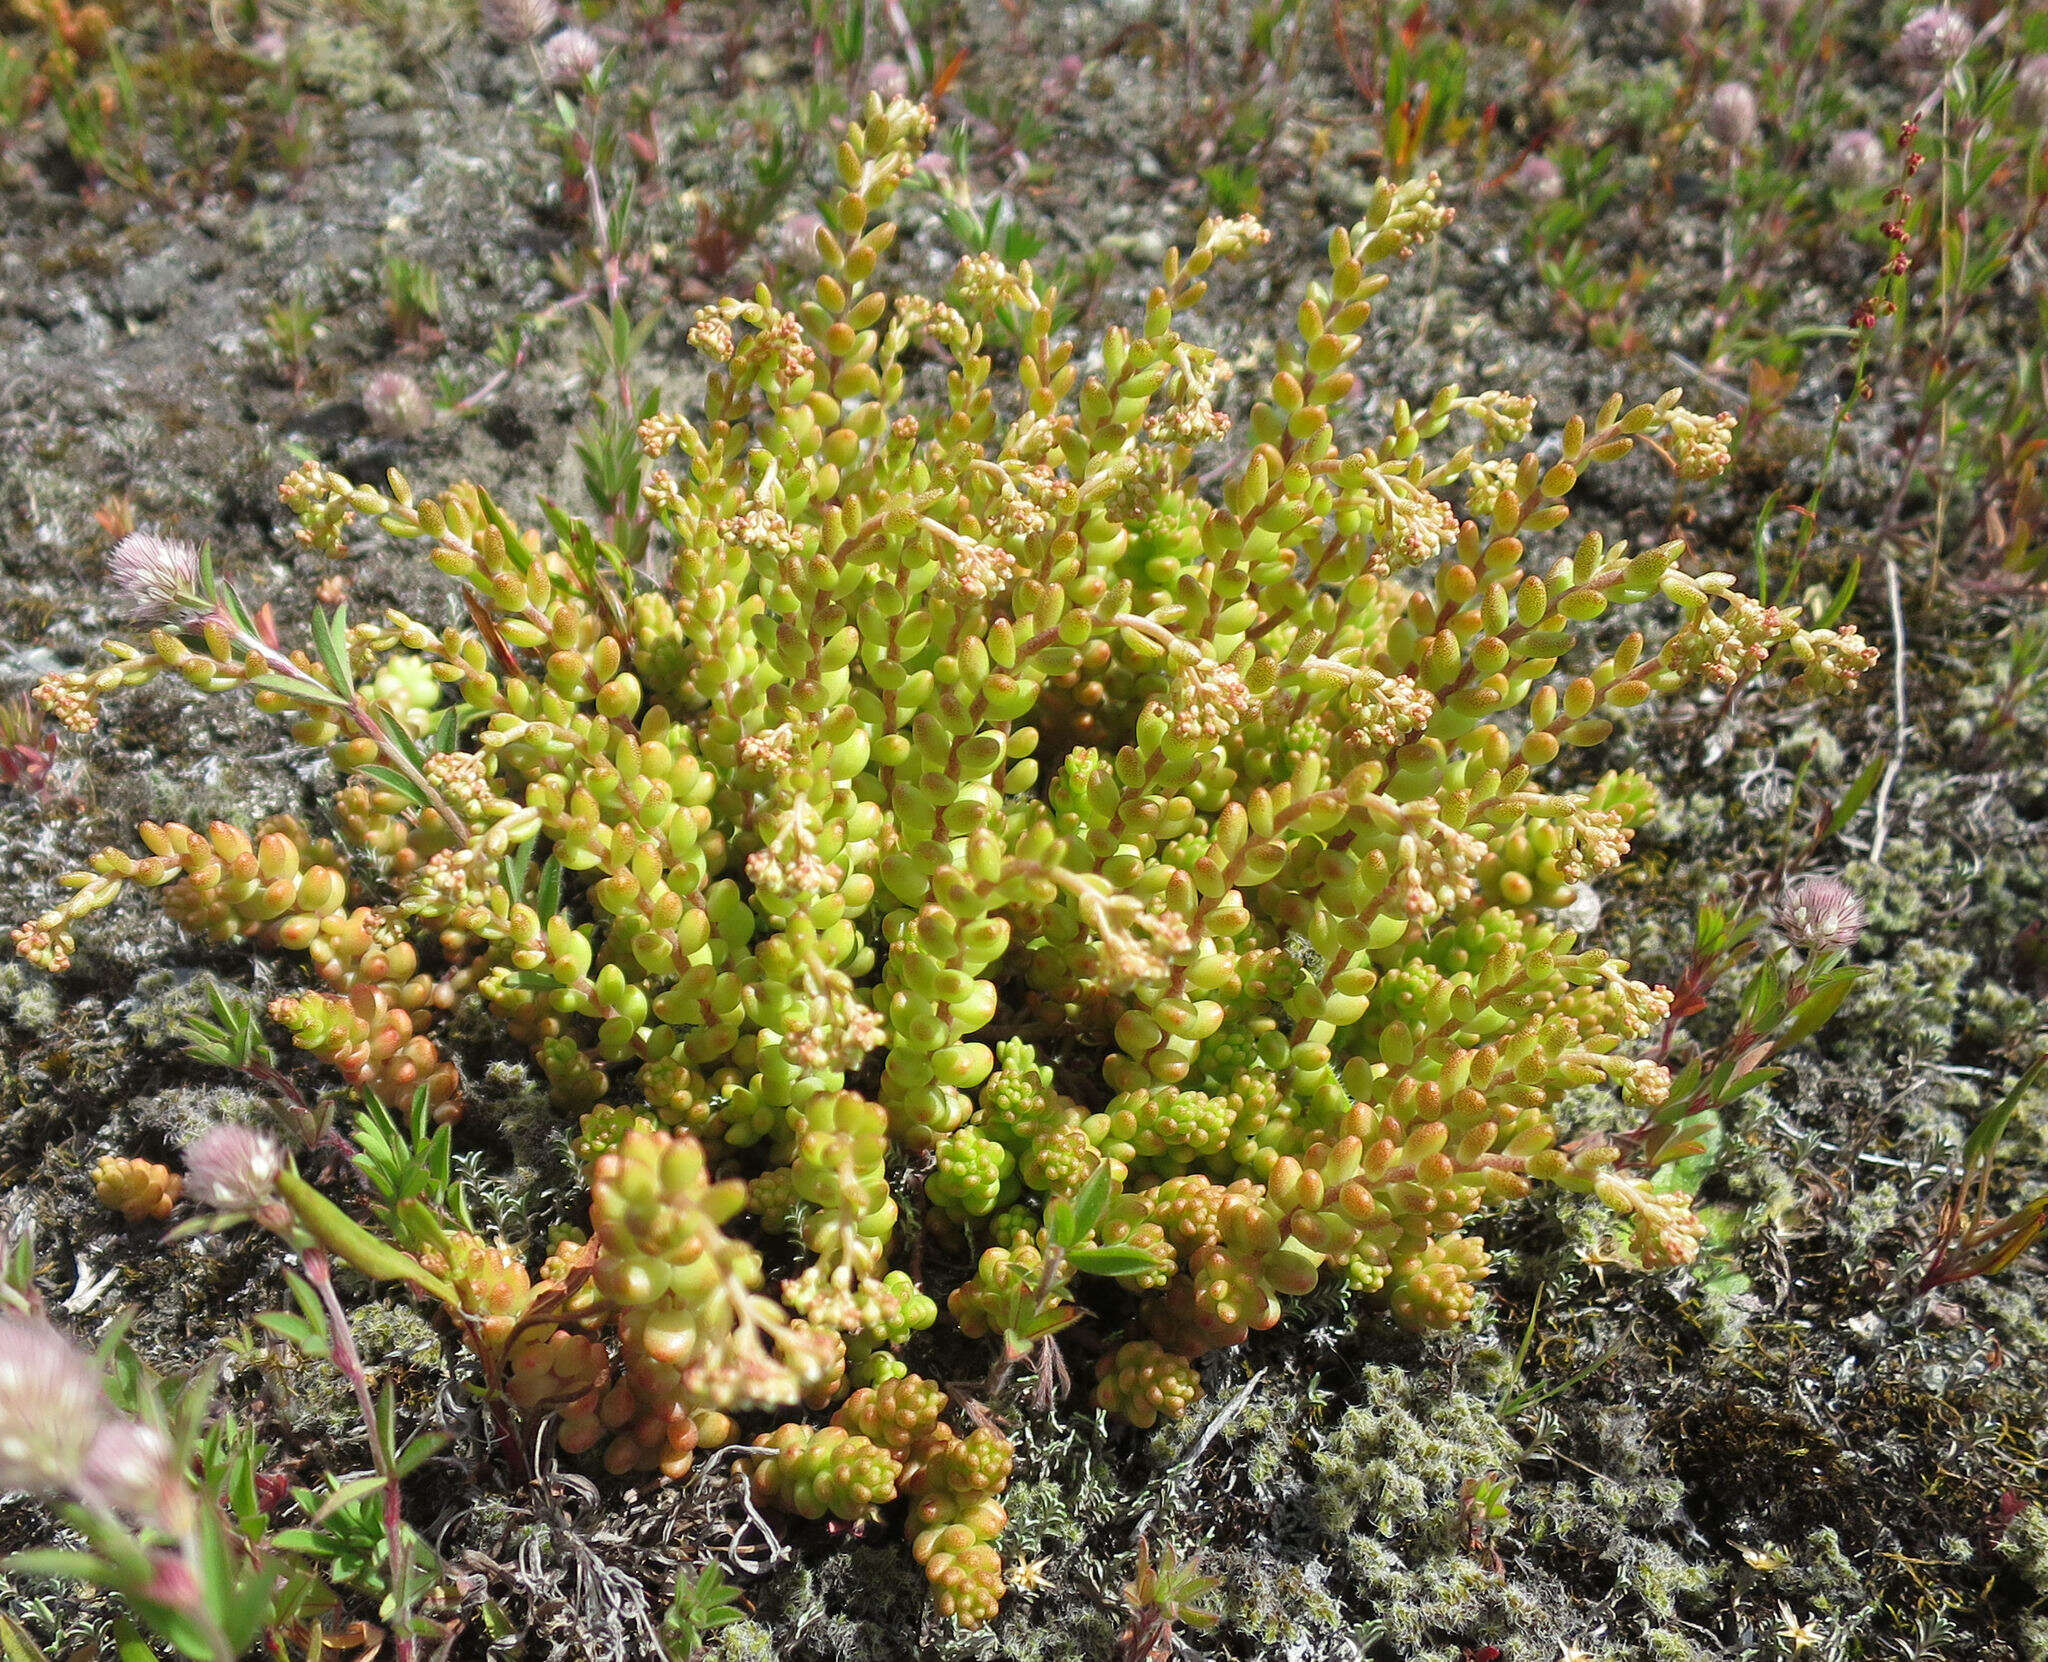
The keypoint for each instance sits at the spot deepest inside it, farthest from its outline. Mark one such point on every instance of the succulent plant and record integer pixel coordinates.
(957, 718)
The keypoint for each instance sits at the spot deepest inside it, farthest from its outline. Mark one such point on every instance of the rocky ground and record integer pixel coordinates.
(1782, 1451)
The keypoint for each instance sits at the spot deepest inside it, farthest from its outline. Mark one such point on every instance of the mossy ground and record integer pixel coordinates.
(1782, 1434)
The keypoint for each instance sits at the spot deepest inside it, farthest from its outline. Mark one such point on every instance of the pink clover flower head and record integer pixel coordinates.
(128, 1468)
(1821, 914)
(890, 79)
(1933, 39)
(157, 576)
(570, 57)
(516, 22)
(1538, 179)
(233, 1168)
(1676, 18)
(395, 404)
(52, 1404)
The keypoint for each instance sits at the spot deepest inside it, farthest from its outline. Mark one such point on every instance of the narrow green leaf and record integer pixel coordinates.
(1112, 1260)
(1983, 1141)
(1753, 1080)
(516, 865)
(2022, 1229)
(16, 1645)
(1091, 1201)
(532, 981)
(400, 736)
(306, 692)
(330, 641)
(387, 1422)
(515, 549)
(345, 1494)
(393, 780)
(419, 1451)
(293, 1331)
(343, 1236)
(59, 1563)
(237, 611)
(1838, 603)
(1815, 1009)
(311, 1306)
(1858, 793)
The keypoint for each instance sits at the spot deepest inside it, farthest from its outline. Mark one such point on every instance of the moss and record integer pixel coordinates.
(2024, 1545)
(1394, 1464)
(1670, 1644)
(742, 1642)
(28, 998)
(1288, 1609)
(394, 1335)
(163, 1000)
(1905, 1007)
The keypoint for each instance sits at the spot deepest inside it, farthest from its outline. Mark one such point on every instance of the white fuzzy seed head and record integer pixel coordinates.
(51, 1406)
(1730, 117)
(1857, 160)
(157, 576)
(2030, 91)
(233, 1168)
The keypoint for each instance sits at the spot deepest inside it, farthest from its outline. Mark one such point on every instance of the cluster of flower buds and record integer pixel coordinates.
(948, 720)
(889, 1440)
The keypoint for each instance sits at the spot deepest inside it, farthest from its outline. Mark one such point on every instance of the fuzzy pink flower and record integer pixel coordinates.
(158, 577)
(51, 1407)
(2030, 91)
(570, 57)
(1538, 179)
(1933, 39)
(1821, 914)
(128, 1469)
(396, 406)
(233, 1168)
(517, 21)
